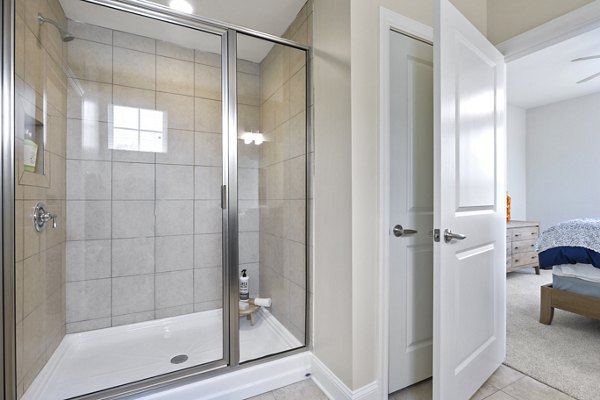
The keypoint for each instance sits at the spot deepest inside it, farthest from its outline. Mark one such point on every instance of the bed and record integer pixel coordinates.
(572, 250)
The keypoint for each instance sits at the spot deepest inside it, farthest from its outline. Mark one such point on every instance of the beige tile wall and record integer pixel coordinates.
(283, 189)
(144, 229)
(40, 92)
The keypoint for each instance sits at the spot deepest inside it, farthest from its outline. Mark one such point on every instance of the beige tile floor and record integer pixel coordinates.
(505, 384)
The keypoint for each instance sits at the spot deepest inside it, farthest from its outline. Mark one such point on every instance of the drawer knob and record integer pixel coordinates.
(516, 247)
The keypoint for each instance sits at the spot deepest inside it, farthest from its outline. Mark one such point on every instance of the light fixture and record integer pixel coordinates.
(249, 137)
(181, 5)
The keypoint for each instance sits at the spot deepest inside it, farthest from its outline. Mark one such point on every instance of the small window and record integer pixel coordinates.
(137, 129)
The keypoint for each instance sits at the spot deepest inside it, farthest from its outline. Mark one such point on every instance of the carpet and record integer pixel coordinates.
(564, 355)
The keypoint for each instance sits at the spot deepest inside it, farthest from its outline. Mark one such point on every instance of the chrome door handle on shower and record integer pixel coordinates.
(449, 235)
(400, 231)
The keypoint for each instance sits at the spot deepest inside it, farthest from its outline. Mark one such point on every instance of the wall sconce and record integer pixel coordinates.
(257, 138)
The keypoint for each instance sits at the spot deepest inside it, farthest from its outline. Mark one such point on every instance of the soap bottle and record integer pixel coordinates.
(30, 150)
(244, 292)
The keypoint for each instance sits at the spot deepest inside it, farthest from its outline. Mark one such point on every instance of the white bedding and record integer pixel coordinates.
(586, 272)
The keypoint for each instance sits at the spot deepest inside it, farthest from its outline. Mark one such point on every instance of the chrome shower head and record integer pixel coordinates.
(65, 36)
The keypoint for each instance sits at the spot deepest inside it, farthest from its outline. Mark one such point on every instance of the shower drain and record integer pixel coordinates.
(181, 358)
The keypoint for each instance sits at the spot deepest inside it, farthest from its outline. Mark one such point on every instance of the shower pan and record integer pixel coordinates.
(169, 152)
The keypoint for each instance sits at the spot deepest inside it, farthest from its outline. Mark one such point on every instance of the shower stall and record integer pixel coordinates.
(151, 157)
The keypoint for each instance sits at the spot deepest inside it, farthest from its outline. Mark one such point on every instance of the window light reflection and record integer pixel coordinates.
(138, 129)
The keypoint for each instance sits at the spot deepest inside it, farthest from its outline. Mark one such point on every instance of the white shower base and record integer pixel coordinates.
(91, 361)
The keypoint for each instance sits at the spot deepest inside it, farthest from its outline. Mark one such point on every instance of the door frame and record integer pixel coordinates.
(576, 22)
(389, 22)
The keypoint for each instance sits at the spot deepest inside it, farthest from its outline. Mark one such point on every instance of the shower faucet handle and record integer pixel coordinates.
(41, 217)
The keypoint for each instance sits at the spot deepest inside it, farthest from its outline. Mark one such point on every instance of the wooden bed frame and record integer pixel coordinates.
(555, 298)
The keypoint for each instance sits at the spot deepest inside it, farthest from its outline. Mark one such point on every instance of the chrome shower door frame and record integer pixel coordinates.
(231, 347)
(8, 375)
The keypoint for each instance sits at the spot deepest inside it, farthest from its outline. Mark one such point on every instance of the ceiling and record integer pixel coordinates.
(548, 76)
(268, 16)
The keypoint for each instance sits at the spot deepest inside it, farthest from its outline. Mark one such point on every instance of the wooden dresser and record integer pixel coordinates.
(520, 245)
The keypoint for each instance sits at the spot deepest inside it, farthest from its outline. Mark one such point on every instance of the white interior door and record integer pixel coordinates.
(411, 206)
(469, 192)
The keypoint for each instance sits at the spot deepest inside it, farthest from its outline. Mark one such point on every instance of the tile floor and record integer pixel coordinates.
(505, 384)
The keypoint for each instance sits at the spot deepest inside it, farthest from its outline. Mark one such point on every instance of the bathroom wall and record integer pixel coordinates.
(283, 196)
(144, 228)
(40, 104)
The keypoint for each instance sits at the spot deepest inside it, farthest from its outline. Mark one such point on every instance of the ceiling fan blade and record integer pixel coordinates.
(586, 58)
(589, 78)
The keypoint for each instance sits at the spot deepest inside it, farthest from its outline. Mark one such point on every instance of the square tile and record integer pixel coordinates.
(504, 376)
(89, 100)
(208, 117)
(87, 140)
(87, 260)
(88, 220)
(208, 216)
(175, 76)
(88, 300)
(248, 247)
(133, 181)
(174, 288)
(208, 250)
(174, 217)
(174, 182)
(174, 253)
(248, 183)
(132, 219)
(248, 215)
(88, 180)
(528, 388)
(208, 149)
(132, 294)
(180, 148)
(134, 68)
(179, 110)
(207, 81)
(132, 256)
(208, 284)
(90, 60)
(174, 311)
(208, 181)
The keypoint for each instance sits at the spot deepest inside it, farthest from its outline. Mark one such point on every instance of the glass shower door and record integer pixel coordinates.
(272, 196)
(125, 115)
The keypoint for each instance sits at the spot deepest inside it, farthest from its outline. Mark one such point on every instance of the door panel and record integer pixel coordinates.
(469, 177)
(411, 205)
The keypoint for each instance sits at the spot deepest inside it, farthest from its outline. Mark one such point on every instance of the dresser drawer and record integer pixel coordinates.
(530, 232)
(524, 259)
(523, 246)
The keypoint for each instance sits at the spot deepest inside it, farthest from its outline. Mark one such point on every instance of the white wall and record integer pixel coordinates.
(516, 127)
(563, 140)
(332, 311)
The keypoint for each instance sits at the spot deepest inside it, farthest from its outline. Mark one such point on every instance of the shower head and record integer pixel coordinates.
(65, 36)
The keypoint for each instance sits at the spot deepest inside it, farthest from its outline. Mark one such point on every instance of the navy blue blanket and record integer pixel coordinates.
(568, 255)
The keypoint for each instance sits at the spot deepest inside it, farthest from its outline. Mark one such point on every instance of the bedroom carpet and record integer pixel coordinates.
(564, 355)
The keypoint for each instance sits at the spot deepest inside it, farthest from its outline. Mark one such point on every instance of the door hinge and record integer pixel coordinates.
(223, 196)
(436, 235)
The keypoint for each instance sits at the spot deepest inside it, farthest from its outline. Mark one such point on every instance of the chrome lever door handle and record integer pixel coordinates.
(449, 235)
(400, 231)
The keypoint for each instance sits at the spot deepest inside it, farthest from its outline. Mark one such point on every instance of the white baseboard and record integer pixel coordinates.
(334, 388)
